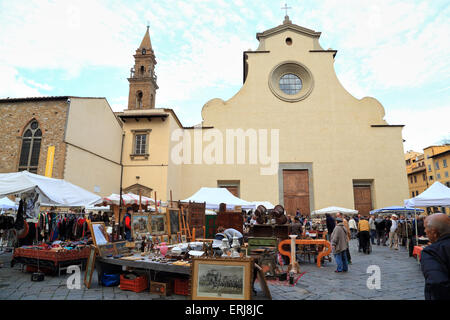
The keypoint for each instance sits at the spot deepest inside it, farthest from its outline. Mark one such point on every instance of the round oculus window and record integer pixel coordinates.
(290, 84)
(291, 81)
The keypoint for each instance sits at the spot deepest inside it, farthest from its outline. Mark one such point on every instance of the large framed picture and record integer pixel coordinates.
(158, 224)
(221, 279)
(98, 232)
(139, 224)
(90, 267)
(107, 250)
(174, 217)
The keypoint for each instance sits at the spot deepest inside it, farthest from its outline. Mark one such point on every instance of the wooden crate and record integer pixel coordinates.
(161, 288)
(262, 242)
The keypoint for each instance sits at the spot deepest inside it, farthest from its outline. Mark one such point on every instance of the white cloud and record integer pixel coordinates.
(41, 86)
(422, 127)
(13, 85)
(383, 46)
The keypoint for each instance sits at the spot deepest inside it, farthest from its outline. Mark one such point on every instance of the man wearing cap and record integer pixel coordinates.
(393, 236)
(339, 245)
(127, 223)
(435, 258)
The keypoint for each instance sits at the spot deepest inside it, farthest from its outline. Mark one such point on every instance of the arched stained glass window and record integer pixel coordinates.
(31, 147)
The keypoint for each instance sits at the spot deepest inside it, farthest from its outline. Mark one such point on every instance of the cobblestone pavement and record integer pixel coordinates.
(401, 278)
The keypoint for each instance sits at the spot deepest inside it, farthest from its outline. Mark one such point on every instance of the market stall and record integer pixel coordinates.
(437, 195)
(52, 238)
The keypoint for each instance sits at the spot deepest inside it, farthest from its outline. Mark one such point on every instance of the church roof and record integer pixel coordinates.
(146, 43)
(288, 25)
(48, 98)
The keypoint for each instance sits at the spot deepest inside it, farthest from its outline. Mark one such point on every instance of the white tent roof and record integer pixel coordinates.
(97, 208)
(215, 196)
(331, 210)
(127, 199)
(6, 204)
(53, 191)
(266, 204)
(437, 195)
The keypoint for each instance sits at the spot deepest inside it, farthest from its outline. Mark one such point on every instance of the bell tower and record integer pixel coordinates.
(142, 77)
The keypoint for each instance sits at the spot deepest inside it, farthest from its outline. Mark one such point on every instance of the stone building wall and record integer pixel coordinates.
(15, 115)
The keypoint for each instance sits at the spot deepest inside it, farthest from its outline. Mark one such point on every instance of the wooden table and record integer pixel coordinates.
(326, 251)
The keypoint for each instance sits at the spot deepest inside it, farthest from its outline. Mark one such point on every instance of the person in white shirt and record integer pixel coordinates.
(353, 227)
(393, 237)
(373, 229)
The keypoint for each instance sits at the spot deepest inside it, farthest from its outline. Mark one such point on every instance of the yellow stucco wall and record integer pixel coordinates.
(330, 129)
(152, 171)
(93, 137)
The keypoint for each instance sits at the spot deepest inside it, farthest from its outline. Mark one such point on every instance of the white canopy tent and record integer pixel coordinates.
(55, 192)
(334, 210)
(127, 199)
(215, 196)
(437, 195)
(7, 204)
(98, 208)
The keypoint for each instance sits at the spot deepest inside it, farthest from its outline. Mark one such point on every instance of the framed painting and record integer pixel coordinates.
(90, 267)
(165, 238)
(99, 234)
(183, 238)
(107, 250)
(174, 220)
(221, 279)
(121, 247)
(139, 224)
(158, 224)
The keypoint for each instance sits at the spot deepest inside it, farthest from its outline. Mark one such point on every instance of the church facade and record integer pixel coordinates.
(291, 135)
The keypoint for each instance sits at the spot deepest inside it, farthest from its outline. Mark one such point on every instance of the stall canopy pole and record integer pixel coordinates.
(140, 200)
(417, 235)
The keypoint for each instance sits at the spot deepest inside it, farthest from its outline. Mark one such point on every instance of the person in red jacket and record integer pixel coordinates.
(127, 223)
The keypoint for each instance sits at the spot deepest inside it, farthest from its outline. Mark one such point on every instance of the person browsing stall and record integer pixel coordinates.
(127, 223)
(339, 245)
(231, 233)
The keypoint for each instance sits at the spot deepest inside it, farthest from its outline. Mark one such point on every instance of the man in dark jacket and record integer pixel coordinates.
(380, 226)
(330, 224)
(387, 228)
(435, 258)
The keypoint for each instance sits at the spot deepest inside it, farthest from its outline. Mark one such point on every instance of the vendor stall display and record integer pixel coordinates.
(55, 257)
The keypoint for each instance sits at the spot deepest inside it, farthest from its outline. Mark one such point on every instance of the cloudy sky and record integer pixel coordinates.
(396, 51)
